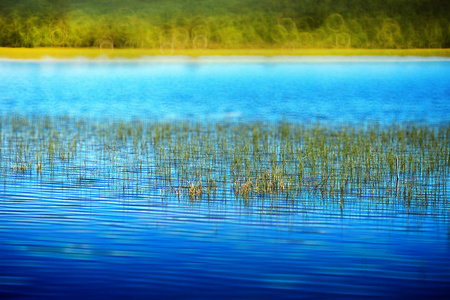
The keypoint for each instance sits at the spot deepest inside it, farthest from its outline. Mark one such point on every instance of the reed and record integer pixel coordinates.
(393, 164)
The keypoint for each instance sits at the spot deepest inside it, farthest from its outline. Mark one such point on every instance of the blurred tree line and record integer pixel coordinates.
(225, 24)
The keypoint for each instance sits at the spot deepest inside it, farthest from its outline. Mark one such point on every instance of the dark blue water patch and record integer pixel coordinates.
(329, 92)
(52, 250)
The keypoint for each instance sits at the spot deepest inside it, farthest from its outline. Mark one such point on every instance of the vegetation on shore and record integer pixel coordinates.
(67, 53)
(406, 164)
(233, 24)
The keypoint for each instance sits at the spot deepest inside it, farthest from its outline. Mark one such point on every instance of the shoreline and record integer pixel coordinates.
(226, 55)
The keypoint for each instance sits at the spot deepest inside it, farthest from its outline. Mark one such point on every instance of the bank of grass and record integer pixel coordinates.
(67, 53)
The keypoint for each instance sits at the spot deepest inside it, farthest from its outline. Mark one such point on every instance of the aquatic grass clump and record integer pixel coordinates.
(405, 164)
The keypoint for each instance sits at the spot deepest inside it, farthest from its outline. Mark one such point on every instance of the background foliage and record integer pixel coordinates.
(183, 24)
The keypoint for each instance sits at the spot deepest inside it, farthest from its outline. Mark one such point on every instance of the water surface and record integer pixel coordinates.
(82, 240)
(330, 91)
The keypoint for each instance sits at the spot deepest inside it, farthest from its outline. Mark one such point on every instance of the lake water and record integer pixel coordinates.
(80, 240)
(329, 91)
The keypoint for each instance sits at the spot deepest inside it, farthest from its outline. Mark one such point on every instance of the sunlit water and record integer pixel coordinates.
(326, 91)
(81, 240)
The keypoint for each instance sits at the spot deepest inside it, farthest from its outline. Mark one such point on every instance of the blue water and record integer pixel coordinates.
(82, 242)
(336, 92)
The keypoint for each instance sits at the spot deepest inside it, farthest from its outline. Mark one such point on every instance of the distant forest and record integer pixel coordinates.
(182, 24)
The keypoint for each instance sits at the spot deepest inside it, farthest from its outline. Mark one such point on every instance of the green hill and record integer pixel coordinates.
(177, 24)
